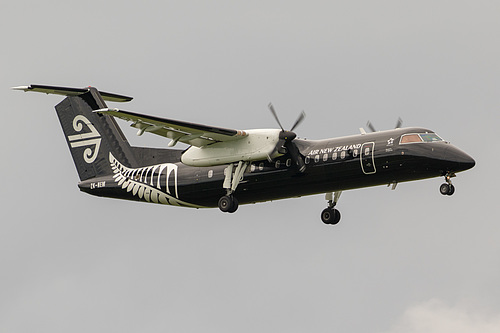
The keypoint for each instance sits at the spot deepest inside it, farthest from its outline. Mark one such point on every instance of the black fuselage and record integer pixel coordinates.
(335, 164)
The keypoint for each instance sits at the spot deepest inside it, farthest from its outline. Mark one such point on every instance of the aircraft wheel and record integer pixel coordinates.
(228, 204)
(447, 189)
(451, 190)
(234, 205)
(330, 216)
(444, 189)
(225, 203)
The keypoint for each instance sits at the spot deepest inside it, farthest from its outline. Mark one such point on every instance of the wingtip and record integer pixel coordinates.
(23, 88)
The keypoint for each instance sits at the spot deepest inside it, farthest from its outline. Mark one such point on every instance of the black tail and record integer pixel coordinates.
(91, 137)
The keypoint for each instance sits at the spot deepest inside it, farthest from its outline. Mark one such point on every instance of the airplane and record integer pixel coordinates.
(227, 167)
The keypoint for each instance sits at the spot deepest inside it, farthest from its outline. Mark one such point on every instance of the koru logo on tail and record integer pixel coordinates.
(92, 138)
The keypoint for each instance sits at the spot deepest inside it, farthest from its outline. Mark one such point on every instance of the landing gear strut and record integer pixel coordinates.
(447, 188)
(229, 203)
(330, 215)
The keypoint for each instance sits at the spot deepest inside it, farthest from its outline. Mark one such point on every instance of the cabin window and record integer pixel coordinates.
(210, 173)
(410, 138)
(325, 157)
(316, 159)
(252, 167)
(342, 154)
(334, 156)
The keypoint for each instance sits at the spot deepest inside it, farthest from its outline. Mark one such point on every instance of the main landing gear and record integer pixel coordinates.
(447, 188)
(330, 215)
(229, 203)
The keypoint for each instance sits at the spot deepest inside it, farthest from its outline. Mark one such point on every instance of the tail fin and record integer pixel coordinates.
(91, 137)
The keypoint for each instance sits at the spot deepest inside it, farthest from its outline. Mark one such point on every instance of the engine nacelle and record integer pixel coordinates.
(258, 145)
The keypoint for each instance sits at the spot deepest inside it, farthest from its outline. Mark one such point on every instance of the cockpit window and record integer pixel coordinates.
(421, 137)
(430, 137)
(410, 138)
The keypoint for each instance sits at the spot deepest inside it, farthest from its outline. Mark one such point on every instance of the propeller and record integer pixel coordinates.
(286, 140)
(372, 128)
(399, 123)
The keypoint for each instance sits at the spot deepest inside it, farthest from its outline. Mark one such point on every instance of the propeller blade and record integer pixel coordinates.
(296, 157)
(370, 126)
(286, 140)
(399, 123)
(299, 120)
(271, 107)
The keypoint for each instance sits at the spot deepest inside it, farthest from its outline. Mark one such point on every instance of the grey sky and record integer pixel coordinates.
(408, 260)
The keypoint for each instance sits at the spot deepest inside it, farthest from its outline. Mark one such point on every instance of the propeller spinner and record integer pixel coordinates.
(286, 140)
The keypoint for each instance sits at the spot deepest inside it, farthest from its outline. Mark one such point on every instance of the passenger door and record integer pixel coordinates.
(367, 158)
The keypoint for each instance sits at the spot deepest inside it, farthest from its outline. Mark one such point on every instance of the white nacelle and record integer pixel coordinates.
(258, 145)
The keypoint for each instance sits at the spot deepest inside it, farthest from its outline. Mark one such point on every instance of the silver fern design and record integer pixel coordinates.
(152, 183)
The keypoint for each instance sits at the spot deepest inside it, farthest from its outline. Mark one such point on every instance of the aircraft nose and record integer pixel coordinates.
(460, 160)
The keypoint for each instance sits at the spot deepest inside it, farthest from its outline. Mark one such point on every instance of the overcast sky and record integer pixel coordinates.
(409, 260)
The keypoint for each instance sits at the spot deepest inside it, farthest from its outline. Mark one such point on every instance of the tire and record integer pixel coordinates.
(225, 203)
(444, 189)
(451, 190)
(336, 216)
(234, 205)
(327, 216)
(330, 216)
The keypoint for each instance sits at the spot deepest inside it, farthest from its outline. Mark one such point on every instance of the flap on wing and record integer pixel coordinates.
(178, 131)
(68, 91)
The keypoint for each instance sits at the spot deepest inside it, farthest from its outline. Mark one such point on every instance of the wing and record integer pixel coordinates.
(178, 131)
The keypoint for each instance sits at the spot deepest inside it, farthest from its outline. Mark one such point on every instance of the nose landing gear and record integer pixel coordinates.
(447, 188)
(330, 215)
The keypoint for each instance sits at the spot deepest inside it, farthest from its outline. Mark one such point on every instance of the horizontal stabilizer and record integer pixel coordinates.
(67, 91)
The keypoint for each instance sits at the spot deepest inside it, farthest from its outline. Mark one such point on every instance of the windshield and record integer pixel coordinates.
(430, 137)
(420, 137)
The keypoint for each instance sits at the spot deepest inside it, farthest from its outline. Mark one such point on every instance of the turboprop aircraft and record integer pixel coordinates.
(226, 167)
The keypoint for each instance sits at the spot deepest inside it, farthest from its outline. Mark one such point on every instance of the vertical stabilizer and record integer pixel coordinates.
(91, 137)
